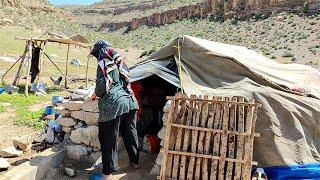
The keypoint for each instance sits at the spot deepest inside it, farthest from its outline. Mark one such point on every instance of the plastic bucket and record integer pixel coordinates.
(57, 99)
(49, 110)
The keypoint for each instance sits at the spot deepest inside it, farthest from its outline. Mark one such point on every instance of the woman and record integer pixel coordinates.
(117, 106)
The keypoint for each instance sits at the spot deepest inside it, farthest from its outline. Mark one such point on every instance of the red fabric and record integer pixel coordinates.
(155, 143)
(137, 87)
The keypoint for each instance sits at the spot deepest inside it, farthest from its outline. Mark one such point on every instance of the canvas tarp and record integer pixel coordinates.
(289, 124)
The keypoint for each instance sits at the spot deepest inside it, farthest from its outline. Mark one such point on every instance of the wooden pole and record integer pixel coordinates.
(43, 47)
(10, 69)
(87, 77)
(19, 72)
(66, 80)
(26, 88)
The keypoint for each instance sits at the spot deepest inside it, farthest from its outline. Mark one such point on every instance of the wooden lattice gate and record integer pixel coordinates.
(209, 138)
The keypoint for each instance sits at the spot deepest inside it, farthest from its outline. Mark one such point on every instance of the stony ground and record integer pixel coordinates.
(125, 171)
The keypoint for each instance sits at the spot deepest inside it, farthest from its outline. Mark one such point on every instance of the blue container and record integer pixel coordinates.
(1, 90)
(41, 87)
(49, 110)
(57, 99)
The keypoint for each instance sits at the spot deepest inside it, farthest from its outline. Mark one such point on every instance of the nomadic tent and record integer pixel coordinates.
(289, 120)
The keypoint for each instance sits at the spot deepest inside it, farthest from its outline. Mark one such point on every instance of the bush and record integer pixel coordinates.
(306, 7)
(287, 54)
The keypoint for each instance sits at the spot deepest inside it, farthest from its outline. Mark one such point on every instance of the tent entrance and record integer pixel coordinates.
(151, 94)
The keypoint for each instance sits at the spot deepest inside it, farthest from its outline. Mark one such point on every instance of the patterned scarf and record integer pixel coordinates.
(108, 60)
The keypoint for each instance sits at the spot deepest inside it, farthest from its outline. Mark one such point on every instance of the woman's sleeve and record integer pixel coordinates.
(100, 89)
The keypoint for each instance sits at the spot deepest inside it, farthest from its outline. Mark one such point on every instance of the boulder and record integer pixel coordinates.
(69, 172)
(67, 122)
(95, 156)
(24, 143)
(4, 164)
(79, 125)
(73, 105)
(167, 107)
(66, 113)
(10, 152)
(90, 106)
(89, 117)
(87, 136)
(162, 133)
(67, 129)
(76, 152)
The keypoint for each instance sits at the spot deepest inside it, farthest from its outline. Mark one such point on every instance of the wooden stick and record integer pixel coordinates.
(190, 154)
(2, 78)
(180, 120)
(172, 136)
(224, 141)
(216, 139)
(231, 139)
(166, 142)
(222, 101)
(212, 111)
(218, 131)
(250, 121)
(66, 82)
(203, 122)
(240, 139)
(19, 72)
(187, 137)
(26, 88)
(194, 140)
(87, 69)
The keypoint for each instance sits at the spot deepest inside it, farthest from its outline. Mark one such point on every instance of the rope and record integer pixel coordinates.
(178, 47)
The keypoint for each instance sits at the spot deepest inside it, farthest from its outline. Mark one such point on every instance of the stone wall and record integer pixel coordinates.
(229, 8)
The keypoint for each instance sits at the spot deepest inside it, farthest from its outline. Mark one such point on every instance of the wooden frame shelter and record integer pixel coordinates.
(27, 57)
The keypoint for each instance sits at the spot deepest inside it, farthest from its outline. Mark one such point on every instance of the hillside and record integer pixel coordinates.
(284, 36)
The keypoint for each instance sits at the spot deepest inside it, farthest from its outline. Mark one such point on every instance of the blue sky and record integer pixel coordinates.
(63, 2)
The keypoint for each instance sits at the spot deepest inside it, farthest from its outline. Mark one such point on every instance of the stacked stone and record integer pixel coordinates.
(80, 122)
(161, 134)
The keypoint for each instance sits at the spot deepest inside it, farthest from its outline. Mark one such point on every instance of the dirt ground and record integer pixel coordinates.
(9, 131)
(125, 171)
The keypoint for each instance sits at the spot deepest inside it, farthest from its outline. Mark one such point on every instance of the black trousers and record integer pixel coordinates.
(108, 137)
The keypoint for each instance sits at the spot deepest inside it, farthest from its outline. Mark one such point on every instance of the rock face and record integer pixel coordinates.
(67, 122)
(90, 106)
(76, 152)
(4, 164)
(72, 105)
(89, 117)
(10, 152)
(203, 9)
(24, 143)
(87, 136)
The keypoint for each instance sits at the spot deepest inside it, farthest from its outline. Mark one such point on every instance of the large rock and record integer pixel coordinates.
(4, 164)
(24, 143)
(10, 152)
(87, 136)
(73, 105)
(89, 117)
(162, 133)
(67, 122)
(76, 152)
(90, 106)
(94, 156)
(66, 113)
(67, 129)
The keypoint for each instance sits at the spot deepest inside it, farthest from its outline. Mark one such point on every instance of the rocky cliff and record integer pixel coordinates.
(228, 8)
